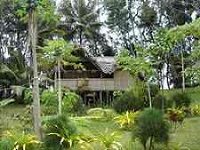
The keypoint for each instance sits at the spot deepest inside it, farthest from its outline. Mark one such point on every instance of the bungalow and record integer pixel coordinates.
(98, 80)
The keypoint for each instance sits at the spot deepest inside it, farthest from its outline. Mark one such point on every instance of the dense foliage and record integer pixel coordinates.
(58, 132)
(151, 126)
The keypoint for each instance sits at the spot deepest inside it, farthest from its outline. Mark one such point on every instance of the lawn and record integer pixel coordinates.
(186, 136)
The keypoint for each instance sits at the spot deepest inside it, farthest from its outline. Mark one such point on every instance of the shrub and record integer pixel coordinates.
(59, 132)
(181, 99)
(19, 141)
(128, 102)
(72, 103)
(102, 114)
(152, 127)
(154, 90)
(159, 102)
(109, 140)
(126, 120)
(175, 115)
(50, 102)
(195, 110)
(28, 96)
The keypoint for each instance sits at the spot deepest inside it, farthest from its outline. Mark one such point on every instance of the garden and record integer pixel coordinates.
(99, 75)
(127, 125)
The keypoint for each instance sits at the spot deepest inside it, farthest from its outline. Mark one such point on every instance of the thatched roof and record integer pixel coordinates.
(106, 64)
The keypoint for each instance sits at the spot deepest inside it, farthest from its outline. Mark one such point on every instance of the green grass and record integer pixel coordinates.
(10, 115)
(186, 135)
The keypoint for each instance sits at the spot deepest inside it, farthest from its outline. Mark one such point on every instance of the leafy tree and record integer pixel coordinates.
(60, 52)
(138, 67)
(81, 24)
(121, 22)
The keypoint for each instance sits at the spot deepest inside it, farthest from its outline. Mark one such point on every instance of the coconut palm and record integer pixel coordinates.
(81, 23)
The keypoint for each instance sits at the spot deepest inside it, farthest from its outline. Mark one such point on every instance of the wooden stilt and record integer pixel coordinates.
(101, 97)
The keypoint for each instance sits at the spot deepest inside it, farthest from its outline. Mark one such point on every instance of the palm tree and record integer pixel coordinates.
(59, 52)
(81, 22)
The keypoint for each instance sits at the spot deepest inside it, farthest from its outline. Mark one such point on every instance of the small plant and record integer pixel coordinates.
(159, 102)
(109, 140)
(59, 133)
(181, 99)
(28, 96)
(126, 120)
(151, 126)
(72, 103)
(101, 114)
(195, 110)
(49, 101)
(19, 141)
(128, 101)
(175, 116)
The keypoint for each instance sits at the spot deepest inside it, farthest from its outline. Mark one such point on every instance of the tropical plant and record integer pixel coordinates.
(132, 99)
(72, 103)
(151, 126)
(28, 96)
(175, 116)
(160, 102)
(59, 133)
(82, 24)
(127, 120)
(101, 114)
(181, 99)
(49, 102)
(59, 52)
(195, 110)
(19, 141)
(109, 140)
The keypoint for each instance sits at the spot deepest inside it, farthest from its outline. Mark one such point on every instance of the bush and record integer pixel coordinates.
(127, 120)
(102, 114)
(181, 99)
(195, 110)
(28, 96)
(58, 133)
(19, 141)
(128, 102)
(72, 103)
(159, 101)
(154, 90)
(152, 127)
(50, 102)
(176, 115)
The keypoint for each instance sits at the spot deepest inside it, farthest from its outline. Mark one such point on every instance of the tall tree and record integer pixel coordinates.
(60, 53)
(33, 44)
(82, 25)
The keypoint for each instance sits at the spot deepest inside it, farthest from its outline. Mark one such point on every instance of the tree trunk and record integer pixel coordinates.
(149, 95)
(36, 97)
(59, 88)
(183, 71)
(151, 143)
(168, 71)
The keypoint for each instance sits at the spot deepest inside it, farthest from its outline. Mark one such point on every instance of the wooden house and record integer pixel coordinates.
(98, 80)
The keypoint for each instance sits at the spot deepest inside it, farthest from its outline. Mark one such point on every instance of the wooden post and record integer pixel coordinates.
(101, 98)
(107, 97)
(59, 88)
(32, 44)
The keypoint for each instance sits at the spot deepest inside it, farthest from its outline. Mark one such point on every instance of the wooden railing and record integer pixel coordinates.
(92, 84)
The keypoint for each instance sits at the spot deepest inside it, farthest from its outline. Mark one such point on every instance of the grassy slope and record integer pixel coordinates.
(187, 135)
